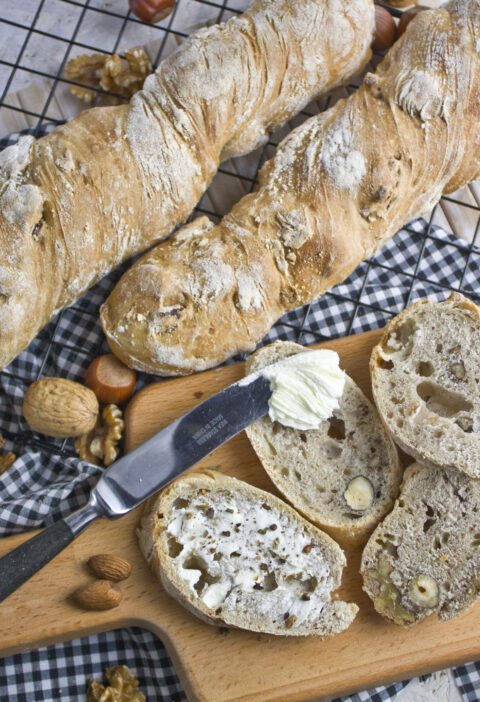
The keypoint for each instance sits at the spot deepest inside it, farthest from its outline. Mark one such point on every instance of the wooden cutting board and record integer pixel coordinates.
(215, 666)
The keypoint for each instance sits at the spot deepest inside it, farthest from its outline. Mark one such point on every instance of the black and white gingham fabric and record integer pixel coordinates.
(48, 482)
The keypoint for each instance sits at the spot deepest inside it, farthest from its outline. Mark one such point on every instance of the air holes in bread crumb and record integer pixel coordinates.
(180, 503)
(425, 369)
(442, 401)
(174, 548)
(386, 365)
(336, 429)
(465, 424)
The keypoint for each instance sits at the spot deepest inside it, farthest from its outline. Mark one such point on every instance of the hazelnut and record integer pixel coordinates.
(423, 590)
(359, 494)
(152, 11)
(110, 379)
(385, 29)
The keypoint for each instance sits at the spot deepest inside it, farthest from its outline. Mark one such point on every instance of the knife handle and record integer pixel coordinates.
(24, 561)
(19, 565)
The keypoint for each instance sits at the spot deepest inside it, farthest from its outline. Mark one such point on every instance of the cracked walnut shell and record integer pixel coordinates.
(101, 444)
(110, 72)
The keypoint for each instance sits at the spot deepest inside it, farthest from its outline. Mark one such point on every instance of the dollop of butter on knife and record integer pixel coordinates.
(306, 388)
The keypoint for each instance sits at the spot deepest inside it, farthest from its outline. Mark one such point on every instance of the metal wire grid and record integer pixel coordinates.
(219, 12)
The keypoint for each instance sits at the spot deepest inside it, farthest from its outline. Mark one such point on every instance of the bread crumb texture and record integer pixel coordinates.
(425, 556)
(236, 555)
(426, 382)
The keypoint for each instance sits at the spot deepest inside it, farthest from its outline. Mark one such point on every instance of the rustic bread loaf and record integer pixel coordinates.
(237, 556)
(115, 180)
(344, 476)
(425, 379)
(339, 187)
(425, 555)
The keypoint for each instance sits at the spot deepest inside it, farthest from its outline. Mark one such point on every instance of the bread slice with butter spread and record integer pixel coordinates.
(343, 476)
(239, 557)
(425, 555)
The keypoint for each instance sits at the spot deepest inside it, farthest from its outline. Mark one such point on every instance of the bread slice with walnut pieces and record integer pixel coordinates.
(425, 555)
(239, 557)
(426, 382)
(343, 476)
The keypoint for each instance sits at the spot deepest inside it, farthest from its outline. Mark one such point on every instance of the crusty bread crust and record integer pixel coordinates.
(338, 188)
(313, 469)
(426, 384)
(153, 538)
(115, 180)
(424, 557)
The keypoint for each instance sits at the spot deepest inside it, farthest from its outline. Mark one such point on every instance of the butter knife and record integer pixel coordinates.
(141, 473)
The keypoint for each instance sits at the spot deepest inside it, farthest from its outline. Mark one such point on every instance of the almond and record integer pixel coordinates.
(109, 567)
(60, 407)
(98, 596)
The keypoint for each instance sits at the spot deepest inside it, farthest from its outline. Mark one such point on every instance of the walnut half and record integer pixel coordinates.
(122, 687)
(101, 443)
(110, 72)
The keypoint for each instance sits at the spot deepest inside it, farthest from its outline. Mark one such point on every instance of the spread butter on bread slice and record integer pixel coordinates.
(425, 555)
(239, 557)
(343, 476)
(426, 382)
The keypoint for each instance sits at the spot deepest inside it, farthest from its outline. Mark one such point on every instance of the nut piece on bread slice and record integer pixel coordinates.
(345, 475)
(425, 555)
(426, 382)
(239, 557)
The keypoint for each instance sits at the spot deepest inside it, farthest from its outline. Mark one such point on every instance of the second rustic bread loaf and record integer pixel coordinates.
(344, 476)
(339, 186)
(426, 382)
(425, 555)
(237, 556)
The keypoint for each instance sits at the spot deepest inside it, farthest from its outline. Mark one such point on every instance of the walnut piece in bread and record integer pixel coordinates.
(237, 556)
(425, 379)
(343, 476)
(425, 555)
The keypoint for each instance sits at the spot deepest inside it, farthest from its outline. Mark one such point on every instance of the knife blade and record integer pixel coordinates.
(143, 472)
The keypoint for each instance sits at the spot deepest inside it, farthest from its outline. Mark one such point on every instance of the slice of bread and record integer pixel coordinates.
(426, 382)
(329, 473)
(425, 555)
(239, 557)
